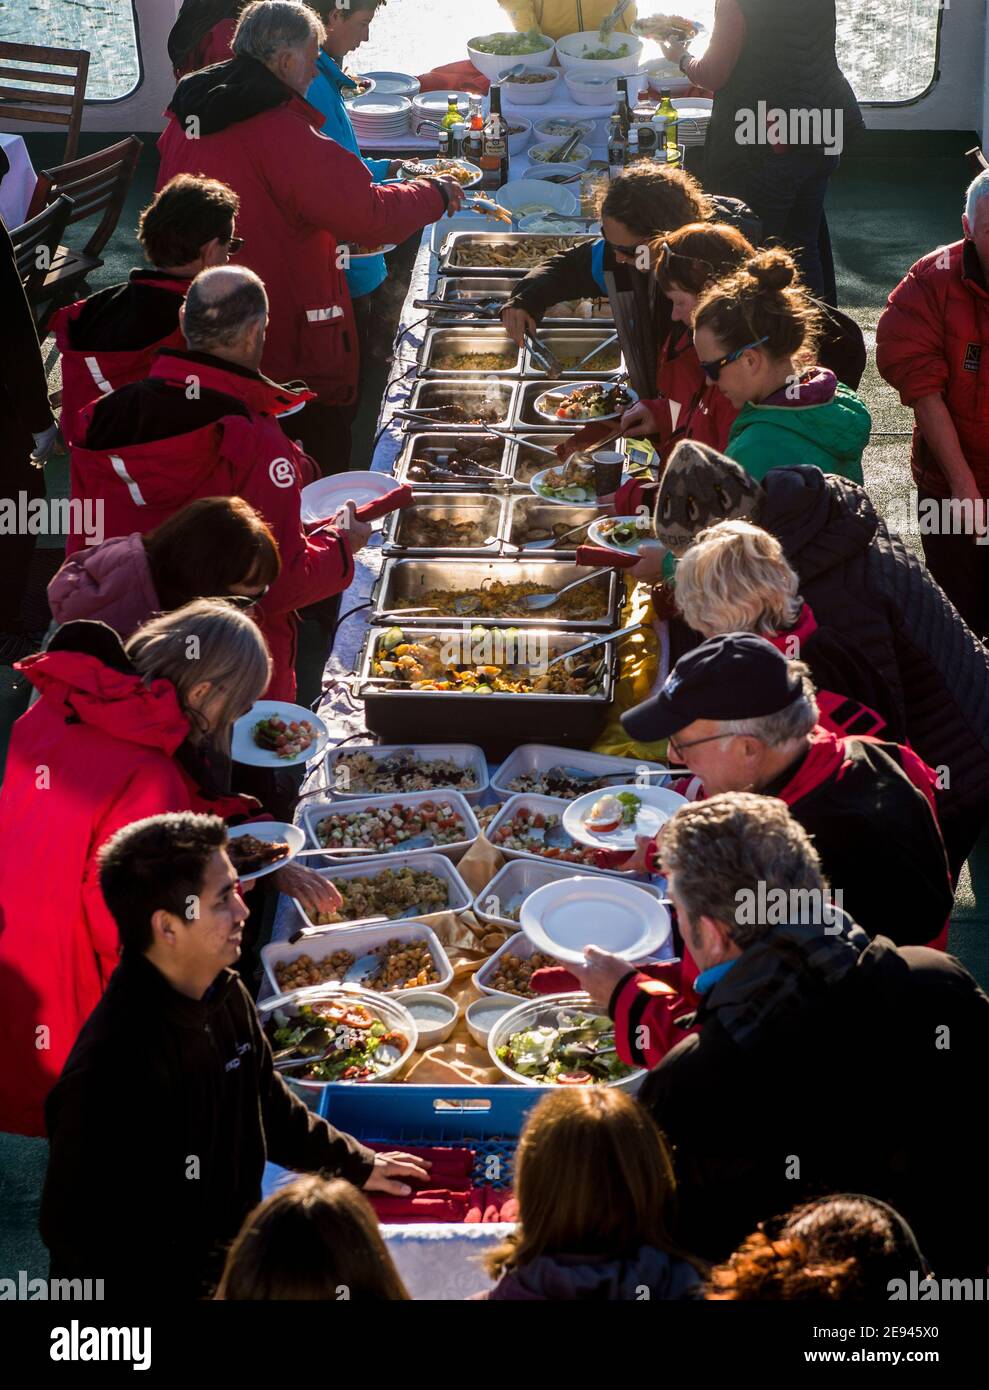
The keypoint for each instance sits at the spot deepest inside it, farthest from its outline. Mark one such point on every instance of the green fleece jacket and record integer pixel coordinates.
(828, 426)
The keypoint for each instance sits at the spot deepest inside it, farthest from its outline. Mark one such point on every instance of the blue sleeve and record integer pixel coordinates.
(378, 168)
(597, 264)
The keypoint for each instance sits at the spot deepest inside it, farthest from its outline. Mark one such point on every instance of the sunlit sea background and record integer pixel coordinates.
(887, 47)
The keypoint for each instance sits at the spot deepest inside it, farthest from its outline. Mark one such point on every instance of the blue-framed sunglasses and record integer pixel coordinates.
(712, 370)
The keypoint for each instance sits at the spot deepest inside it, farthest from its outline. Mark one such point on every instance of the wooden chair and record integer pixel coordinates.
(36, 245)
(96, 183)
(32, 99)
(977, 159)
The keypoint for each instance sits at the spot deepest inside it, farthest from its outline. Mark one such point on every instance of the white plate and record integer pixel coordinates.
(559, 501)
(243, 749)
(269, 831)
(476, 172)
(551, 415)
(398, 84)
(322, 499)
(375, 106)
(560, 919)
(596, 535)
(658, 804)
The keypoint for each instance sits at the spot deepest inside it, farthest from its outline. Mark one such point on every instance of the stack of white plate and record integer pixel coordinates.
(377, 117)
(394, 84)
(432, 106)
(695, 117)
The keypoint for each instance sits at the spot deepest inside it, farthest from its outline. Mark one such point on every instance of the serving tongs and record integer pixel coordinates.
(484, 308)
(607, 26)
(517, 438)
(605, 343)
(544, 355)
(487, 207)
(596, 642)
(565, 148)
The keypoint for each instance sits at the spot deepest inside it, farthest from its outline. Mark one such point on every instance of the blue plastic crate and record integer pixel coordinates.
(485, 1119)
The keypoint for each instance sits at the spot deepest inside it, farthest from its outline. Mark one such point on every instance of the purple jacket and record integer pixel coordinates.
(110, 583)
(651, 1274)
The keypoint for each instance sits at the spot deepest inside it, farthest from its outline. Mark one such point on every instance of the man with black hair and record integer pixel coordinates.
(112, 338)
(169, 1105)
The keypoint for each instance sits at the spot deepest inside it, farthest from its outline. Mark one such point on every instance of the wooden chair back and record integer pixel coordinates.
(46, 98)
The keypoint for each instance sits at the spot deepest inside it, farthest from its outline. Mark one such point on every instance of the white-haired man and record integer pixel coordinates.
(301, 196)
(929, 346)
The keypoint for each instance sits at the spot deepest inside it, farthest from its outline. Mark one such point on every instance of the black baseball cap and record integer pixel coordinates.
(734, 676)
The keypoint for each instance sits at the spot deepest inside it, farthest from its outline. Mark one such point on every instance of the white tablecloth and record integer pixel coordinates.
(17, 186)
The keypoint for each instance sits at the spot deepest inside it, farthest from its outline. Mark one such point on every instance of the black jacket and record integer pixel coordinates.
(24, 405)
(823, 1065)
(160, 1125)
(876, 835)
(124, 318)
(789, 62)
(862, 580)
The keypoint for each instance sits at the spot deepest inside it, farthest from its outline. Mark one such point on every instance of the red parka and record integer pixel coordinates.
(933, 339)
(300, 194)
(89, 372)
(213, 48)
(143, 484)
(688, 405)
(93, 754)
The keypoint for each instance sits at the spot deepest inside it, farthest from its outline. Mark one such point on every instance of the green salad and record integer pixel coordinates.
(512, 45)
(579, 1051)
(622, 51)
(359, 1044)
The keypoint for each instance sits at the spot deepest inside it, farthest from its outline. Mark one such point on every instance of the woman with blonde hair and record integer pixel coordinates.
(312, 1240)
(603, 1232)
(117, 734)
(735, 578)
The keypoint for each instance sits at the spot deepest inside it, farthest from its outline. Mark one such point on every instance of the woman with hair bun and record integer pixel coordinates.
(756, 333)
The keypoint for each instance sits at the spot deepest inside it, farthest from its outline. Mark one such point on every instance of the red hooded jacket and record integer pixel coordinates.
(248, 456)
(90, 370)
(688, 406)
(93, 754)
(213, 48)
(300, 193)
(932, 340)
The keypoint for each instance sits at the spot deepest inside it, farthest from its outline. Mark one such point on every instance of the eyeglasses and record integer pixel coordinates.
(712, 370)
(677, 748)
(247, 600)
(668, 257)
(233, 243)
(631, 251)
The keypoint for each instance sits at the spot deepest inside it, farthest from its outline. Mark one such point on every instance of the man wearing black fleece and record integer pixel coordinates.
(743, 718)
(169, 1105)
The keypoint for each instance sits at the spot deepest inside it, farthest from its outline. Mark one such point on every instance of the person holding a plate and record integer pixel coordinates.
(741, 717)
(206, 424)
(248, 123)
(819, 1060)
(169, 1105)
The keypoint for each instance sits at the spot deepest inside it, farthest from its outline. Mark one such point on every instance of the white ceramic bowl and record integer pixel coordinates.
(543, 171)
(544, 131)
(585, 93)
(570, 51)
(523, 193)
(578, 158)
(492, 65)
(483, 1014)
(664, 76)
(532, 93)
(431, 1029)
(518, 142)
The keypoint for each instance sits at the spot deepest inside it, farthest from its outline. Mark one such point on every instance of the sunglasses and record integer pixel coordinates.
(712, 370)
(233, 244)
(247, 600)
(631, 251)
(668, 258)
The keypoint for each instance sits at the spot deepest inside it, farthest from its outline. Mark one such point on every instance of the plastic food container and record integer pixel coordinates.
(313, 814)
(546, 1012)
(429, 862)
(530, 758)
(435, 1015)
(465, 755)
(359, 941)
(549, 806)
(513, 883)
(388, 1009)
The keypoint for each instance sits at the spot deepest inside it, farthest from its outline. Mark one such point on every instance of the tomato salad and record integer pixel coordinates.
(386, 828)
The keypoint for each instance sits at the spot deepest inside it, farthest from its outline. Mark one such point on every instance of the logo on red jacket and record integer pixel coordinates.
(973, 357)
(282, 472)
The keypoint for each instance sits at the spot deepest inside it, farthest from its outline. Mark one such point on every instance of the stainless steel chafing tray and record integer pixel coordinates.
(524, 463)
(440, 342)
(477, 289)
(527, 512)
(495, 721)
(462, 245)
(407, 581)
(469, 393)
(574, 343)
(486, 508)
(435, 446)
